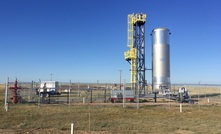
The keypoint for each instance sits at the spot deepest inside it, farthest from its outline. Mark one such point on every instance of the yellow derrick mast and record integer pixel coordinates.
(132, 55)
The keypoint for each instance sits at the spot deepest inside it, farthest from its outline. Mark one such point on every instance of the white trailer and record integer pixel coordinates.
(117, 95)
(49, 88)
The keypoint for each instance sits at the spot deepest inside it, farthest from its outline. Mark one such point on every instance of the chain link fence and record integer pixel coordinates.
(101, 93)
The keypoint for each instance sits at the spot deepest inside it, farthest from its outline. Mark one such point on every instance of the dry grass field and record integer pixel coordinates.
(203, 90)
(100, 118)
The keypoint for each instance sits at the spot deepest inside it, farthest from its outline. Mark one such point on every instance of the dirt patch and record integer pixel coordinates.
(48, 131)
(33, 131)
(183, 132)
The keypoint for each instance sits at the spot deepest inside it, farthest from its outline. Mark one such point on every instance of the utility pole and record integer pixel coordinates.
(51, 76)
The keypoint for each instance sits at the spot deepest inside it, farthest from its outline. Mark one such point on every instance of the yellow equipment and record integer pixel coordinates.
(132, 54)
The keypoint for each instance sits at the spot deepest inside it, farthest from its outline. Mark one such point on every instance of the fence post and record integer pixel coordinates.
(72, 128)
(6, 94)
(180, 108)
(91, 96)
(105, 90)
(83, 100)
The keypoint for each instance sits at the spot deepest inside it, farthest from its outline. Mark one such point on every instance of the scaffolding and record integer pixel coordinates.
(136, 55)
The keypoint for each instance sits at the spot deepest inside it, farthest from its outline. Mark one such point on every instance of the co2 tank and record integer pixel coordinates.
(160, 60)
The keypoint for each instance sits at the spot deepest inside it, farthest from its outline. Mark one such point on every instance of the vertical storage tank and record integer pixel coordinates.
(160, 59)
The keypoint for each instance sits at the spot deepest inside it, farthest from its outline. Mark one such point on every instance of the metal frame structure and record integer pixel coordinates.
(136, 55)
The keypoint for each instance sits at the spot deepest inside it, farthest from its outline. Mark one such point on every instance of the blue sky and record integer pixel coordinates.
(84, 40)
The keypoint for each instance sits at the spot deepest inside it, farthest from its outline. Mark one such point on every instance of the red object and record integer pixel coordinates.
(127, 99)
(15, 97)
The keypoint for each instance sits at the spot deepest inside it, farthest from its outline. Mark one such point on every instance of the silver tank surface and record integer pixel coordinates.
(160, 59)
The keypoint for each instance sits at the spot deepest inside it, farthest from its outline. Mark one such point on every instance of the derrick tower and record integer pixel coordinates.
(136, 55)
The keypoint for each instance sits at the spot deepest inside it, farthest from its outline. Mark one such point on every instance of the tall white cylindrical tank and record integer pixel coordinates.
(160, 59)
